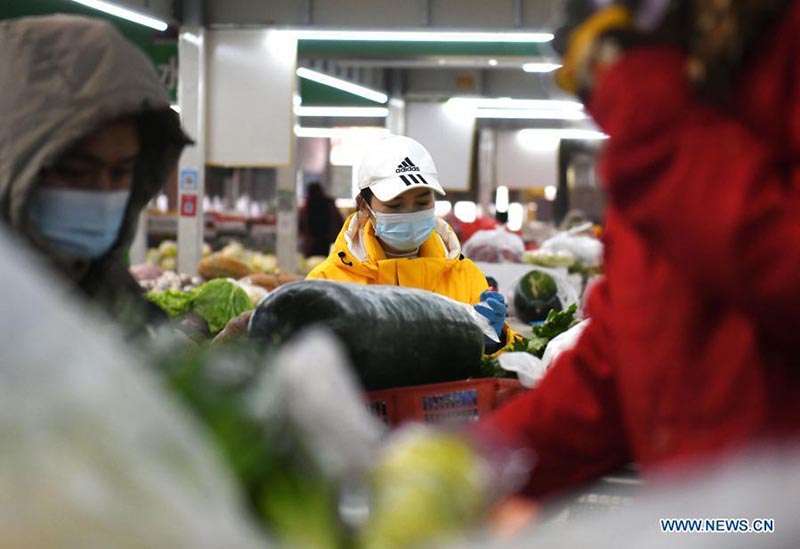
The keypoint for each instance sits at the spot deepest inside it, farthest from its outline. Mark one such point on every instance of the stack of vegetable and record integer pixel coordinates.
(166, 255)
(287, 492)
(205, 310)
(556, 323)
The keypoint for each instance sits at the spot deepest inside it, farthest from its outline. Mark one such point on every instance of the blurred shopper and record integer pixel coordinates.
(691, 351)
(320, 221)
(87, 138)
(395, 238)
(692, 347)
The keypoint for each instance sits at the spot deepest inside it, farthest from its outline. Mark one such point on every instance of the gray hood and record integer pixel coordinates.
(65, 76)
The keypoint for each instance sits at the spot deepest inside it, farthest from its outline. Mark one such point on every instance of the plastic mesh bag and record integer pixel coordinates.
(94, 454)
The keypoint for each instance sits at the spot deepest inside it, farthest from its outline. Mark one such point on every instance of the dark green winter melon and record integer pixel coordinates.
(535, 296)
(394, 336)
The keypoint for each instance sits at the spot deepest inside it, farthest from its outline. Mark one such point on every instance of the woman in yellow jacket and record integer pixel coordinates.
(394, 238)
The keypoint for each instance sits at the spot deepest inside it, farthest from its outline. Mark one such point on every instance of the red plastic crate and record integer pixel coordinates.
(453, 402)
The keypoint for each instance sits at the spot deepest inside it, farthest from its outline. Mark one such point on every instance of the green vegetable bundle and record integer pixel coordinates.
(216, 301)
(287, 493)
(556, 323)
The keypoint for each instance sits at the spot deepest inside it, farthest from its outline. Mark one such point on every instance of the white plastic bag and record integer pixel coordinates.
(563, 342)
(587, 249)
(312, 390)
(529, 369)
(95, 453)
(494, 246)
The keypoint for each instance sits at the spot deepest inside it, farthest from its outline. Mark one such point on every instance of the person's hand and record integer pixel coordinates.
(235, 330)
(493, 307)
(592, 47)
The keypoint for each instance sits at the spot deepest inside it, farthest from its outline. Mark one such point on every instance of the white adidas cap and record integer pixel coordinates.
(396, 164)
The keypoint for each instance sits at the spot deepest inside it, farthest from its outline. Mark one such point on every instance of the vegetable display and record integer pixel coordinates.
(394, 336)
(216, 301)
(556, 323)
(535, 296)
(287, 493)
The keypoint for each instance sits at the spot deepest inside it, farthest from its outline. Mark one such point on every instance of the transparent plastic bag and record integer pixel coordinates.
(494, 246)
(95, 453)
(587, 249)
(312, 391)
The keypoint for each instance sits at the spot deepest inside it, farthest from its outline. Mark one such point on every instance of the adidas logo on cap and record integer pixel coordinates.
(406, 166)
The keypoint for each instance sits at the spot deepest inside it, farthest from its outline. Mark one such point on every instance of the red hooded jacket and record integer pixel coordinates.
(694, 343)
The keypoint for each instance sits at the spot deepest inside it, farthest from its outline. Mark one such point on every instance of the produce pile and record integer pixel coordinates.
(228, 280)
(166, 255)
(285, 487)
(556, 323)
(232, 261)
(204, 311)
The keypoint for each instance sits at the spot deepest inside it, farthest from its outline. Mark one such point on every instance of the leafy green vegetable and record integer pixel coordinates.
(218, 301)
(286, 492)
(174, 302)
(557, 322)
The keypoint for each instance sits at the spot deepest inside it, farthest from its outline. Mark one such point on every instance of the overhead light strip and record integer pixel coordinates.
(562, 133)
(350, 112)
(541, 68)
(516, 104)
(529, 114)
(330, 133)
(424, 36)
(343, 85)
(125, 13)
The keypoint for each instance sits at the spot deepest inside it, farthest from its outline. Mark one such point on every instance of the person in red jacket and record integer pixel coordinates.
(692, 347)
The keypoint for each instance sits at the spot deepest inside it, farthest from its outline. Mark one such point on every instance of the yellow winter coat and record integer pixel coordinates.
(441, 268)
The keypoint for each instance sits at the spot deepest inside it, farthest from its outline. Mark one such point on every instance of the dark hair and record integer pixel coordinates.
(367, 195)
(315, 189)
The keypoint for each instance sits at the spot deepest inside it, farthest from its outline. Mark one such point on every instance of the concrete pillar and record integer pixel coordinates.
(487, 158)
(286, 237)
(191, 174)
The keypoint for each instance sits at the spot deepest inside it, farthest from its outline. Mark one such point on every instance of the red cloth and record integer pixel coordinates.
(693, 345)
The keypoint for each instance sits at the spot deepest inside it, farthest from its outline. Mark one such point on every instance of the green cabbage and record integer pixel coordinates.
(218, 301)
(174, 302)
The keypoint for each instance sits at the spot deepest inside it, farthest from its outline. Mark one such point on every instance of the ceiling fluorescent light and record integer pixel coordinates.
(529, 114)
(343, 85)
(352, 112)
(562, 133)
(423, 36)
(540, 67)
(193, 39)
(124, 13)
(509, 103)
(333, 133)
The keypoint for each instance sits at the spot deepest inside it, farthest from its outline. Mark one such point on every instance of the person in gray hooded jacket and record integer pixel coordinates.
(87, 139)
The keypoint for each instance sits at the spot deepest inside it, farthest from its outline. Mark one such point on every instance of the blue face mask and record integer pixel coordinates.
(404, 232)
(82, 224)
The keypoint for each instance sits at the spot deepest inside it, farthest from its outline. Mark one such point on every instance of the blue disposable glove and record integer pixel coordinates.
(493, 307)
